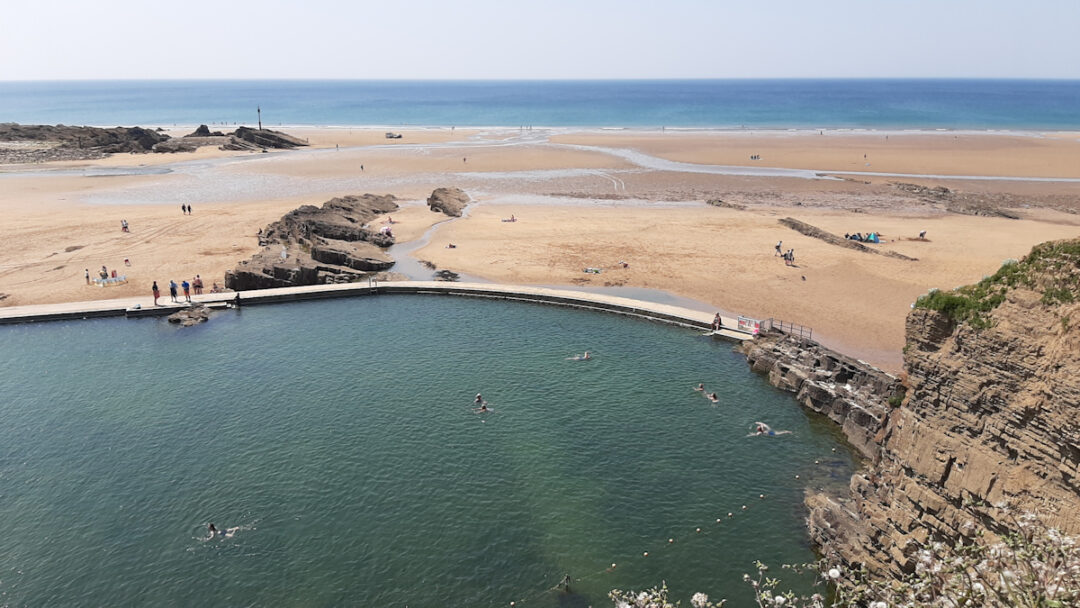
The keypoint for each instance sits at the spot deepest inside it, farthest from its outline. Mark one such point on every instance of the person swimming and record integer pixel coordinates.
(226, 533)
(478, 399)
(700, 387)
(760, 428)
(483, 409)
(712, 397)
(584, 357)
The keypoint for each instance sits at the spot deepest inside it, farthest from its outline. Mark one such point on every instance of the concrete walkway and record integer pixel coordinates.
(144, 307)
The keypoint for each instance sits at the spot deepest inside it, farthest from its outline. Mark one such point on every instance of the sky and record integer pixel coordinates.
(557, 39)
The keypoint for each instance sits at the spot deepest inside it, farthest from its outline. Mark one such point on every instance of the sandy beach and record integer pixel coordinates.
(629, 203)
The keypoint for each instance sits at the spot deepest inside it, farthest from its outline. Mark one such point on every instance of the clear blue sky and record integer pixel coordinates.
(498, 39)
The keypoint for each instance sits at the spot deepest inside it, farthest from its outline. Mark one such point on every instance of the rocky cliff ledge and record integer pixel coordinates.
(851, 393)
(991, 418)
(317, 245)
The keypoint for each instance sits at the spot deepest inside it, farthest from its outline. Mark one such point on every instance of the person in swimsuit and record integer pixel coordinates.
(713, 398)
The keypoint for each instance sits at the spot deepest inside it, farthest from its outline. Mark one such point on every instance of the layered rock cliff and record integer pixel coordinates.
(851, 393)
(317, 245)
(991, 419)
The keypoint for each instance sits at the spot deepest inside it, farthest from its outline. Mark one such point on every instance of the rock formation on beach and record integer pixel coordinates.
(832, 239)
(204, 131)
(989, 427)
(42, 143)
(244, 138)
(317, 245)
(46, 143)
(451, 201)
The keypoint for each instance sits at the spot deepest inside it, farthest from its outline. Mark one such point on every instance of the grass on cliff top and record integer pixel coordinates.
(1052, 268)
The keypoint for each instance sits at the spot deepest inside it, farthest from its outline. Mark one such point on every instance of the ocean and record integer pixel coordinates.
(646, 104)
(337, 441)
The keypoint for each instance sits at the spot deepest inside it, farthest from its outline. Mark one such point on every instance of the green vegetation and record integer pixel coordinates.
(898, 397)
(1052, 268)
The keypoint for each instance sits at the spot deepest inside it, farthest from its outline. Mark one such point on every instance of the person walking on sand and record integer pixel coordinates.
(87, 276)
(172, 290)
(779, 244)
(157, 294)
(187, 290)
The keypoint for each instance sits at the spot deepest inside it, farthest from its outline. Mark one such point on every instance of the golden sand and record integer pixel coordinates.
(724, 257)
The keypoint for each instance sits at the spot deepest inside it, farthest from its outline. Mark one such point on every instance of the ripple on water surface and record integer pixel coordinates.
(340, 438)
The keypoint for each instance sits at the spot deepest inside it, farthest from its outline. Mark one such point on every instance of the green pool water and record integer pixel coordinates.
(340, 438)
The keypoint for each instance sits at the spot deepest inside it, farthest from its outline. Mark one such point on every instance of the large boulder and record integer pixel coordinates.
(317, 245)
(450, 201)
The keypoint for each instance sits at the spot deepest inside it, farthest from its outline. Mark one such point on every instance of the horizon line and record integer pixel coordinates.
(571, 79)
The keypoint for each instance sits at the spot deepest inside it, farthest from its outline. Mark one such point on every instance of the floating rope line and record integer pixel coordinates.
(699, 531)
(671, 541)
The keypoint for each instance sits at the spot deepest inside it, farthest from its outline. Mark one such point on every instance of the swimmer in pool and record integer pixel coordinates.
(700, 387)
(226, 533)
(760, 428)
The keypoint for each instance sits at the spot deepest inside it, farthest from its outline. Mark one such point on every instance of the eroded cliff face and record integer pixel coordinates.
(991, 417)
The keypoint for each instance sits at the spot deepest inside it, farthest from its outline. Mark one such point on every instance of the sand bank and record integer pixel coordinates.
(578, 208)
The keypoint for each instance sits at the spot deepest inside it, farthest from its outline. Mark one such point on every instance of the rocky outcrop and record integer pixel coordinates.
(450, 201)
(992, 205)
(317, 245)
(991, 419)
(204, 131)
(716, 202)
(61, 142)
(246, 138)
(832, 239)
(193, 315)
(853, 394)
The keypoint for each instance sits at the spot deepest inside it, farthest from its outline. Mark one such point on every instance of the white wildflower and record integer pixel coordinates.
(700, 600)
(834, 573)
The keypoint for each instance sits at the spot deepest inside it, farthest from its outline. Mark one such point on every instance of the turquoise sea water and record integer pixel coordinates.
(815, 104)
(339, 437)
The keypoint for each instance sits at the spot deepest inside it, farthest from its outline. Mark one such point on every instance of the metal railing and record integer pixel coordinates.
(792, 329)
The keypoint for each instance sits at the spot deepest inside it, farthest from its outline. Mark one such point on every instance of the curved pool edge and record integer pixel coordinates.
(143, 307)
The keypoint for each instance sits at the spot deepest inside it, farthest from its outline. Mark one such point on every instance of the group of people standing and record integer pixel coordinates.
(185, 209)
(196, 284)
(789, 255)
